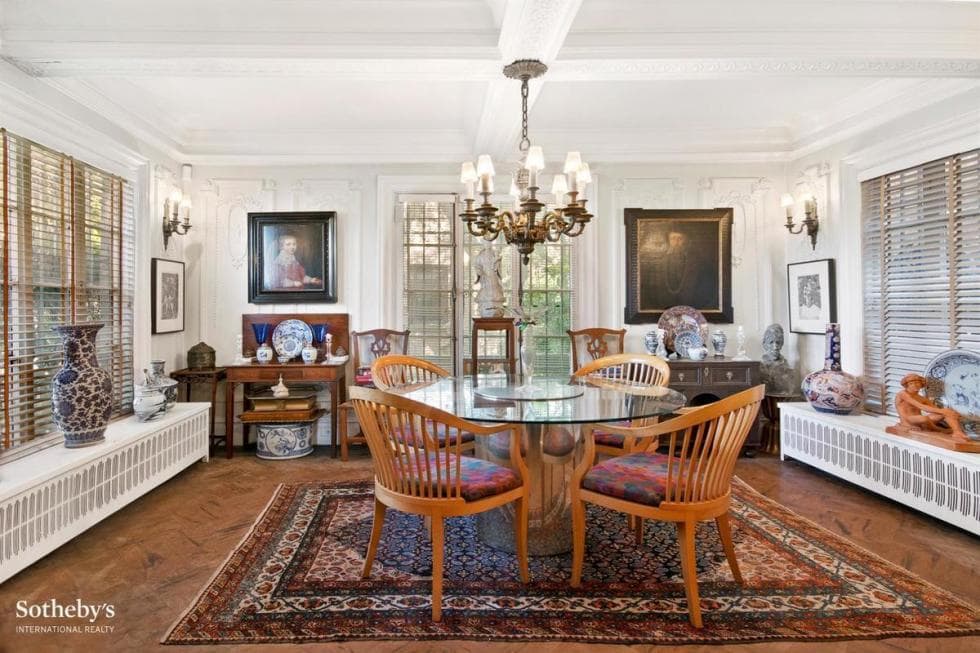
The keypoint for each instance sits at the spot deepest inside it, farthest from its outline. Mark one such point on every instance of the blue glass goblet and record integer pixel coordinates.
(261, 332)
(319, 333)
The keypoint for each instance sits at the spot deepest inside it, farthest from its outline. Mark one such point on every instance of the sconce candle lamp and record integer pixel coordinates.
(175, 207)
(810, 221)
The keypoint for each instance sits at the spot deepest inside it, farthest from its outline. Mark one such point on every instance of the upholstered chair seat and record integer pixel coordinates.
(638, 477)
(443, 435)
(478, 478)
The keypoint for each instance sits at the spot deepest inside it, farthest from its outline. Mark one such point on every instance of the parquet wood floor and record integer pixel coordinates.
(151, 559)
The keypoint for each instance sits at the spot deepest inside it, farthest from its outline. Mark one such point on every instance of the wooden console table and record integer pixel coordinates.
(716, 378)
(331, 375)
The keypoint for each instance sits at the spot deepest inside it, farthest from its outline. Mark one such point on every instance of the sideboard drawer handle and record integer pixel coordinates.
(680, 376)
(729, 375)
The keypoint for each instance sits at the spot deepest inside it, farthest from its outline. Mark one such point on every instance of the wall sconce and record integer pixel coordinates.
(810, 221)
(175, 207)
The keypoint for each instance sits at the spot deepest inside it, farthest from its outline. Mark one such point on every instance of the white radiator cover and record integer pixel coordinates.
(941, 483)
(49, 497)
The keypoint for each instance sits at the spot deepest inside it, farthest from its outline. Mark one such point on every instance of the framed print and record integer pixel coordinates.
(292, 257)
(678, 257)
(166, 295)
(812, 295)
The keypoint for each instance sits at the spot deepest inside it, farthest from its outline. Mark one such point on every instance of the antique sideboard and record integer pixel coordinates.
(715, 378)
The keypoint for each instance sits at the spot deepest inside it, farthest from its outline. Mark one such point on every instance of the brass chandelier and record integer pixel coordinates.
(523, 226)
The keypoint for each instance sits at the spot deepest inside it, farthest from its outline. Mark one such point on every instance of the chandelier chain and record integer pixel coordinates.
(525, 141)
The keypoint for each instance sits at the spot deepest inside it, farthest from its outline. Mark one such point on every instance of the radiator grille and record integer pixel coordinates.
(37, 521)
(943, 484)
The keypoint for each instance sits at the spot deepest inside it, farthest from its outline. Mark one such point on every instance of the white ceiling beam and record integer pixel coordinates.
(530, 29)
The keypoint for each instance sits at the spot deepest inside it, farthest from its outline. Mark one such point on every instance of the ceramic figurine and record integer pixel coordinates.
(486, 272)
(779, 377)
(718, 342)
(832, 390)
(280, 390)
(661, 344)
(81, 391)
(740, 354)
(922, 419)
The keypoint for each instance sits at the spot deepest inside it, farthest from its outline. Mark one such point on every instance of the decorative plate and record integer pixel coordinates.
(290, 336)
(953, 381)
(681, 318)
(686, 340)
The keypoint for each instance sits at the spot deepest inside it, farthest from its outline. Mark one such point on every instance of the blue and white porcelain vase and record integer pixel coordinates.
(831, 390)
(81, 393)
(718, 342)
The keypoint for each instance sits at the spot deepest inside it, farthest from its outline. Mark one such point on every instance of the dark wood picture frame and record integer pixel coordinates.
(167, 296)
(678, 257)
(811, 295)
(305, 275)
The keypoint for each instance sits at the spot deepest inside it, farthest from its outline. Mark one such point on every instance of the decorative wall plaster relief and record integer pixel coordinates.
(746, 196)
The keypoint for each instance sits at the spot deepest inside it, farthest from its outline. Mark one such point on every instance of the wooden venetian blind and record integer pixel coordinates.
(921, 245)
(67, 257)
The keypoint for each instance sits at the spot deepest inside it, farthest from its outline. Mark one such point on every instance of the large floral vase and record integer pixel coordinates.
(81, 393)
(831, 390)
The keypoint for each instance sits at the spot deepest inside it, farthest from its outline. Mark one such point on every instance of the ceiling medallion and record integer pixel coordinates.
(523, 226)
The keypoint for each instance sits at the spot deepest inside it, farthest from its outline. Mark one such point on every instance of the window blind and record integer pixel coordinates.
(921, 268)
(67, 257)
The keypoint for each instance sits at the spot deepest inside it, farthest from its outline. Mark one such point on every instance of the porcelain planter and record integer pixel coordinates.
(81, 394)
(284, 441)
(831, 390)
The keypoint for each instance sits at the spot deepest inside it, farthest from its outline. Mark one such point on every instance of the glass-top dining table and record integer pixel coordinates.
(550, 412)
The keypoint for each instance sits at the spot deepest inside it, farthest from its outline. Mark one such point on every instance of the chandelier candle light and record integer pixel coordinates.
(524, 227)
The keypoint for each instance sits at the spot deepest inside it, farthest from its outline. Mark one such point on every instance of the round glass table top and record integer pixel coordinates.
(600, 400)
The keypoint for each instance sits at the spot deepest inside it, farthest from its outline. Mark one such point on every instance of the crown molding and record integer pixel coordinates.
(143, 120)
(856, 115)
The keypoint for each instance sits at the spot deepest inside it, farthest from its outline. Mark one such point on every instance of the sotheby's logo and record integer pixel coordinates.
(84, 615)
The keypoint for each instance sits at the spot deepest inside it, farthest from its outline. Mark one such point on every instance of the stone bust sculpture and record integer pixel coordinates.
(772, 343)
(490, 297)
(779, 377)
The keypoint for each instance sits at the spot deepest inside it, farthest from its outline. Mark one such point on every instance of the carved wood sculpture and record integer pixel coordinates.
(921, 419)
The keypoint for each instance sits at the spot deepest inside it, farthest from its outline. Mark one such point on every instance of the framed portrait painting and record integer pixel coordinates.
(678, 257)
(812, 295)
(166, 295)
(292, 257)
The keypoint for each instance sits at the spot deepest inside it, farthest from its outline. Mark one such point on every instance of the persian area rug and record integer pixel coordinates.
(296, 578)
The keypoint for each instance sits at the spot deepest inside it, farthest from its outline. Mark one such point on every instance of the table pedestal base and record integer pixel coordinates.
(550, 453)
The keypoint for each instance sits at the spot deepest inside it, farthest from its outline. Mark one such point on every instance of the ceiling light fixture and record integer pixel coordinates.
(523, 227)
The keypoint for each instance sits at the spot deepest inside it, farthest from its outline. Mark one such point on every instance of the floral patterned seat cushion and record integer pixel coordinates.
(607, 439)
(638, 477)
(480, 478)
(444, 435)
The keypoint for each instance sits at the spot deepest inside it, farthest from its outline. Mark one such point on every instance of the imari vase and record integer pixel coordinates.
(81, 394)
(832, 390)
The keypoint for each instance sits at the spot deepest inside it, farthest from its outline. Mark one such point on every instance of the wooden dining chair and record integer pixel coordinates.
(590, 344)
(395, 372)
(366, 347)
(627, 370)
(690, 483)
(435, 482)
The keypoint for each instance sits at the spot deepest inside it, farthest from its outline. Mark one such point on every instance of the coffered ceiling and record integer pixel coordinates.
(420, 80)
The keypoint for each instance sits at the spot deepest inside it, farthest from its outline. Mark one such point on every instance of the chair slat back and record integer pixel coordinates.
(590, 344)
(368, 346)
(403, 438)
(628, 369)
(397, 371)
(704, 445)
